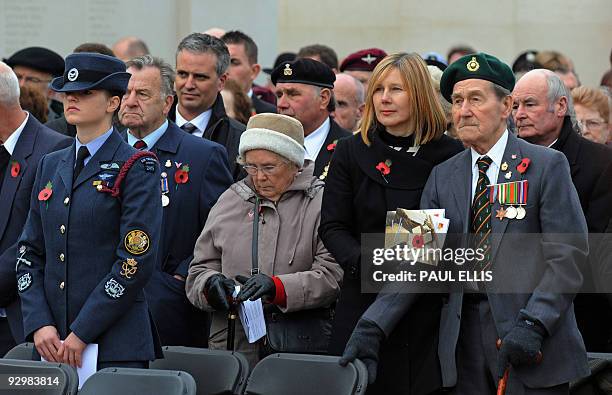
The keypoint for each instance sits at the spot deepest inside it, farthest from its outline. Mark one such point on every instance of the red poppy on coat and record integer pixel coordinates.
(383, 168)
(46, 192)
(181, 176)
(15, 169)
(522, 167)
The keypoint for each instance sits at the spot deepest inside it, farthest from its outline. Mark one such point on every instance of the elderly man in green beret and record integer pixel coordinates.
(513, 323)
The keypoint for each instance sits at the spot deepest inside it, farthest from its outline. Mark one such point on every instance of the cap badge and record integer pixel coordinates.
(73, 74)
(473, 64)
(369, 59)
(287, 70)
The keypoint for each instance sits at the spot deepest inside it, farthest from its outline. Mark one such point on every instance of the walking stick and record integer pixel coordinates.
(503, 382)
(231, 326)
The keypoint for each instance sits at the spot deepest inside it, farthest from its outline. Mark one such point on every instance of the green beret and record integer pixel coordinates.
(481, 66)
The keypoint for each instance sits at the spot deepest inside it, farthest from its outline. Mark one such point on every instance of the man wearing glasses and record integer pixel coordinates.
(35, 67)
(542, 112)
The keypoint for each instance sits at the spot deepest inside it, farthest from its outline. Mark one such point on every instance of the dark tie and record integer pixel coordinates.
(5, 157)
(481, 211)
(189, 127)
(140, 145)
(80, 161)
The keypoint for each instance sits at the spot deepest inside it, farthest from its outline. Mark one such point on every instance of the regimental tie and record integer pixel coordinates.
(481, 212)
(189, 127)
(140, 145)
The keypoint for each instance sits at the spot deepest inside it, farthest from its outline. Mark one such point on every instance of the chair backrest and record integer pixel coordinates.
(216, 372)
(37, 377)
(21, 351)
(297, 374)
(128, 381)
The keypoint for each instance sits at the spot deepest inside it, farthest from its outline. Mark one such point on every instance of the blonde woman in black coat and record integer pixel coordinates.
(383, 168)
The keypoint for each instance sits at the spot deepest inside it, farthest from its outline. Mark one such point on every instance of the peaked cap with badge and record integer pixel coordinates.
(478, 66)
(86, 70)
(304, 71)
(363, 60)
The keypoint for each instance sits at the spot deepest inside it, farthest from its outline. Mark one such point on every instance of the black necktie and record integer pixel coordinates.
(140, 145)
(80, 161)
(5, 157)
(189, 127)
(481, 211)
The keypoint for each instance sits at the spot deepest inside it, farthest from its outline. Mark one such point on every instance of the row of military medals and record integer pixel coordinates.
(511, 195)
(164, 185)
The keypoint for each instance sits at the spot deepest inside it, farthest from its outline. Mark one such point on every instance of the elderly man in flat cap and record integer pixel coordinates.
(517, 328)
(304, 91)
(360, 64)
(35, 67)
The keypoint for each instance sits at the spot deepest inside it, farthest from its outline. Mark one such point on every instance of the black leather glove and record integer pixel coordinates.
(255, 287)
(521, 345)
(218, 291)
(364, 344)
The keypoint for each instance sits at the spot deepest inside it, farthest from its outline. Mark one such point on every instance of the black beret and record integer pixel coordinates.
(304, 71)
(38, 58)
(479, 66)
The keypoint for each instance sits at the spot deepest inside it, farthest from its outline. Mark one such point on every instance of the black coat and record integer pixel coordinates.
(222, 130)
(591, 169)
(35, 141)
(335, 133)
(356, 201)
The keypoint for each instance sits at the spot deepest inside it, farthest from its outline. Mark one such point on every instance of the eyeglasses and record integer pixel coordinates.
(590, 124)
(31, 80)
(268, 170)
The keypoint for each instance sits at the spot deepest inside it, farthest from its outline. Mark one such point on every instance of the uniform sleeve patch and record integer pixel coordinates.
(136, 242)
(24, 282)
(148, 164)
(21, 259)
(129, 268)
(114, 289)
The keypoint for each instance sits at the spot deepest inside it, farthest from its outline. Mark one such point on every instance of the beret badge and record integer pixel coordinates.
(287, 70)
(473, 65)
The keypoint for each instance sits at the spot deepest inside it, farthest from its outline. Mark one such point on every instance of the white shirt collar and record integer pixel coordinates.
(200, 122)
(11, 142)
(151, 138)
(315, 140)
(496, 153)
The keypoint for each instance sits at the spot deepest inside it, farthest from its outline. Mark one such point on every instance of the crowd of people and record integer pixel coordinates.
(142, 202)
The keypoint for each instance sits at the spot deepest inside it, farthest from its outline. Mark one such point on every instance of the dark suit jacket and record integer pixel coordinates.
(355, 202)
(86, 255)
(177, 320)
(540, 278)
(325, 154)
(261, 106)
(35, 141)
(222, 130)
(591, 169)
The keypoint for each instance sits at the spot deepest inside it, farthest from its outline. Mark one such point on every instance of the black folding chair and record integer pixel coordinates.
(304, 374)
(37, 377)
(216, 372)
(21, 351)
(128, 381)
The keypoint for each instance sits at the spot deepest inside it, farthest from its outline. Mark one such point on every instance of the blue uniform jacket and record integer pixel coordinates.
(35, 141)
(84, 256)
(179, 322)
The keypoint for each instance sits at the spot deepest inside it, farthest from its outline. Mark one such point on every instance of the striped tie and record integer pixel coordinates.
(189, 127)
(481, 211)
(140, 145)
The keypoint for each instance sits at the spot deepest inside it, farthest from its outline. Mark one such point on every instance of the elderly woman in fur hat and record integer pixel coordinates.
(292, 271)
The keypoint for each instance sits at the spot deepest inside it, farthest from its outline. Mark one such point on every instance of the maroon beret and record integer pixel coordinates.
(364, 60)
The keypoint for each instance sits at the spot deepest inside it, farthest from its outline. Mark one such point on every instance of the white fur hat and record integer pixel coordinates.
(277, 133)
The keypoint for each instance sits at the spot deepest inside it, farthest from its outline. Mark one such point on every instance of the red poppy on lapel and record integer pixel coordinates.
(15, 169)
(522, 167)
(418, 241)
(181, 176)
(46, 192)
(332, 146)
(384, 167)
